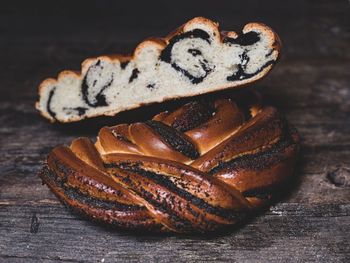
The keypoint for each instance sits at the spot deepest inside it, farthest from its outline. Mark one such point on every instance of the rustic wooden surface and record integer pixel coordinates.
(311, 85)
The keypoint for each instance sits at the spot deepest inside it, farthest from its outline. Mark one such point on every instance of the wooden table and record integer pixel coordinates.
(311, 85)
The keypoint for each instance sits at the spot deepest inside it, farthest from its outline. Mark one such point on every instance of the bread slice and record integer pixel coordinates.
(195, 59)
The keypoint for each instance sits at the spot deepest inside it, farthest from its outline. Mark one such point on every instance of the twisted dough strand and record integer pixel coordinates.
(201, 167)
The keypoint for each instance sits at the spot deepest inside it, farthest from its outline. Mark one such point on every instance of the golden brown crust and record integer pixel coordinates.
(161, 43)
(228, 118)
(148, 176)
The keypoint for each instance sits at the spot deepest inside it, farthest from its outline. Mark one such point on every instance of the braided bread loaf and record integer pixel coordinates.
(198, 168)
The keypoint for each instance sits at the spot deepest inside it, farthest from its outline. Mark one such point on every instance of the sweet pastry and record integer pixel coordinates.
(197, 58)
(198, 168)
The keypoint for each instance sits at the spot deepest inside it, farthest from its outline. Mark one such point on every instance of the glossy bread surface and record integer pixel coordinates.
(199, 168)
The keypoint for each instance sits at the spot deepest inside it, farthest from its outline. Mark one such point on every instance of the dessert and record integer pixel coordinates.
(201, 167)
(195, 59)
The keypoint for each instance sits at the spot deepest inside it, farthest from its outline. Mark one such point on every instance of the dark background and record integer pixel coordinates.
(311, 85)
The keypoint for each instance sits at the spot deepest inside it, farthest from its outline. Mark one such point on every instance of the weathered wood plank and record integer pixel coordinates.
(287, 233)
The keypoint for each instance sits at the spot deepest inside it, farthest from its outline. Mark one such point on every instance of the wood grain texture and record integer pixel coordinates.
(311, 85)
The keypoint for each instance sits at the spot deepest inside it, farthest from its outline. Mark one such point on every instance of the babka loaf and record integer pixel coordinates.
(199, 168)
(195, 59)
